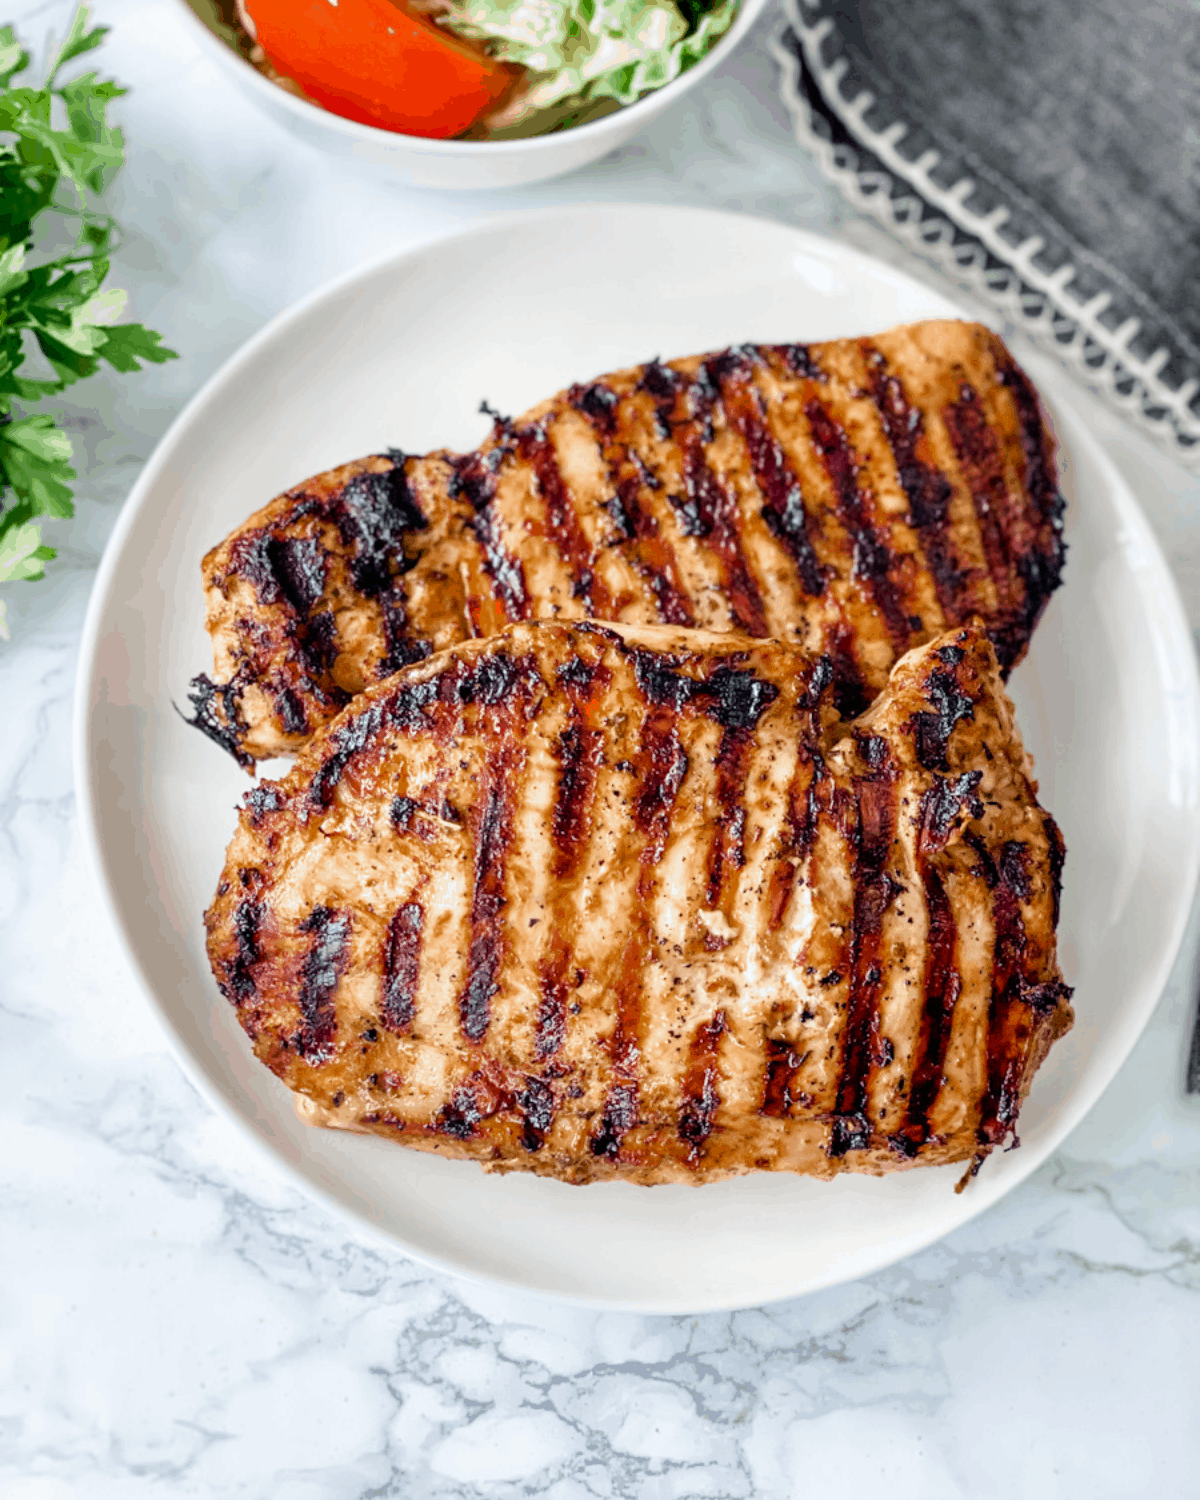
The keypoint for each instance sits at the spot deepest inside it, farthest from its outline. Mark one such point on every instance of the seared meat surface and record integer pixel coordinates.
(602, 901)
(854, 498)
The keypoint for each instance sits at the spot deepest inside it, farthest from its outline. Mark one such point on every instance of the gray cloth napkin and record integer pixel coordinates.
(1047, 150)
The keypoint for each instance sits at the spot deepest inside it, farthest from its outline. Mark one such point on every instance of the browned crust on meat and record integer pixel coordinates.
(855, 497)
(631, 902)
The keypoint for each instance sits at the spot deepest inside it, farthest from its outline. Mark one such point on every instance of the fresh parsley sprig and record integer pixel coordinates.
(58, 155)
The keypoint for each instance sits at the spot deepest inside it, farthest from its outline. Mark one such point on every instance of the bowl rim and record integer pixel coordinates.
(305, 110)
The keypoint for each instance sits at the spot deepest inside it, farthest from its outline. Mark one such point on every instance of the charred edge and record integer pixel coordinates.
(563, 528)
(459, 1116)
(927, 488)
(781, 1097)
(320, 971)
(216, 712)
(872, 557)
(261, 800)
(1040, 567)
(943, 986)
(402, 967)
(620, 1116)
(735, 699)
(1057, 855)
(701, 1098)
(240, 985)
(945, 799)
(932, 731)
(799, 360)
(374, 514)
(728, 848)
(783, 509)
(979, 458)
(405, 708)
(487, 903)
(874, 892)
(598, 403)
(663, 386)
(711, 510)
(535, 1104)
(550, 1025)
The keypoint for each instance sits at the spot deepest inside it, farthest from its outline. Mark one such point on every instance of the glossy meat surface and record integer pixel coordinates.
(602, 901)
(855, 498)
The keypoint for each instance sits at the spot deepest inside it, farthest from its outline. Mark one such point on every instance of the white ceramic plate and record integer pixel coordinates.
(400, 354)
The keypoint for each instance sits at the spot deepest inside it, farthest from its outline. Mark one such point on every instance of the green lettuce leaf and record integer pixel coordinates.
(584, 51)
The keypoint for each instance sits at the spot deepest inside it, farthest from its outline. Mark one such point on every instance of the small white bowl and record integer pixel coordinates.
(466, 164)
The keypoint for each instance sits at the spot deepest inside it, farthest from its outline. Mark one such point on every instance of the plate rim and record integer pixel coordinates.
(1064, 405)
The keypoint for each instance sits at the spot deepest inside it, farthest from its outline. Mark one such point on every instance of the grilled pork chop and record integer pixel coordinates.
(855, 498)
(607, 901)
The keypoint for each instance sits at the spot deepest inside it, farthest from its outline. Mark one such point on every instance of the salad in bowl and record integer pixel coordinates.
(471, 70)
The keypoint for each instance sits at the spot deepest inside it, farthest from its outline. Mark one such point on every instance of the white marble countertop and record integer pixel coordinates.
(176, 1322)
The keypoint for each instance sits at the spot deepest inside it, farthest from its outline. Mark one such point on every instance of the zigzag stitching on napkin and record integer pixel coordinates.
(1037, 300)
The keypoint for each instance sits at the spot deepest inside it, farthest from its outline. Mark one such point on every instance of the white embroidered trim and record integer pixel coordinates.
(1039, 301)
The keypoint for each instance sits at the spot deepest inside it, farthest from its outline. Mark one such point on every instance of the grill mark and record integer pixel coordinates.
(492, 839)
(727, 851)
(661, 764)
(932, 731)
(290, 709)
(400, 649)
(318, 641)
(874, 890)
(941, 805)
(1040, 478)
(550, 1025)
(402, 967)
(579, 752)
(800, 829)
(943, 987)
(563, 527)
(783, 499)
(850, 696)
(783, 1069)
(927, 488)
(1041, 566)
(1008, 880)
(298, 565)
(247, 918)
(706, 508)
(475, 478)
(650, 557)
(716, 507)
(872, 557)
(701, 1099)
(535, 1105)
(978, 456)
(405, 709)
(320, 971)
(374, 513)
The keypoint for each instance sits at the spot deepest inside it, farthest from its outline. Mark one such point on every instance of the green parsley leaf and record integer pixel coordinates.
(58, 155)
